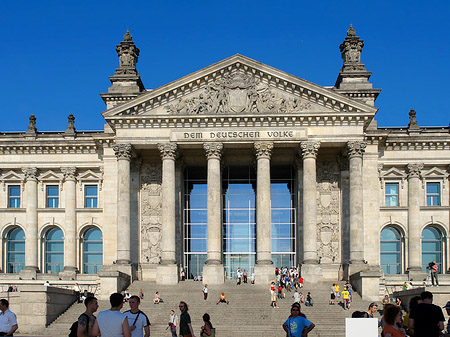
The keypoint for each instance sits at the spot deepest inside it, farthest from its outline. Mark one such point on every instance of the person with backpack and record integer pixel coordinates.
(83, 326)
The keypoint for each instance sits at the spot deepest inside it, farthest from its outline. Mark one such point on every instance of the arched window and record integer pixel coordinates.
(15, 246)
(54, 251)
(431, 247)
(92, 251)
(390, 250)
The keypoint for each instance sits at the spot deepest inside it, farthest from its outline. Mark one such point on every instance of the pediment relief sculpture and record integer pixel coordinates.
(238, 93)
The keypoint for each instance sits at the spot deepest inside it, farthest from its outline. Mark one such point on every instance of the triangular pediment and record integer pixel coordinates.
(90, 175)
(393, 173)
(11, 176)
(239, 85)
(50, 175)
(435, 172)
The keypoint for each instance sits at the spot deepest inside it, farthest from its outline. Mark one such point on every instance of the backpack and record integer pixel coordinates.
(74, 328)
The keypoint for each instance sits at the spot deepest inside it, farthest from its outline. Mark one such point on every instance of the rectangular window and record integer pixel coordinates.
(433, 194)
(52, 196)
(90, 196)
(14, 196)
(391, 194)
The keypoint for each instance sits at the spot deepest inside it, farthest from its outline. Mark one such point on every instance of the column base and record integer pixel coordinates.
(167, 274)
(311, 273)
(416, 274)
(264, 274)
(29, 273)
(213, 274)
(68, 273)
(112, 281)
(354, 267)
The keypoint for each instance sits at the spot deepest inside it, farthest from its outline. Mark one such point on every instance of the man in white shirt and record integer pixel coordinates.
(137, 319)
(112, 323)
(8, 320)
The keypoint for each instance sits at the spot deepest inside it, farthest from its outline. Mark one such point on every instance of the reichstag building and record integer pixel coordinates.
(237, 165)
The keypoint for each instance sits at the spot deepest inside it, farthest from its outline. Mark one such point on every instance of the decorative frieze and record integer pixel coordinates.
(356, 148)
(123, 151)
(328, 201)
(213, 150)
(309, 149)
(151, 213)
(263, 149)
(168, 150)
(414, 170)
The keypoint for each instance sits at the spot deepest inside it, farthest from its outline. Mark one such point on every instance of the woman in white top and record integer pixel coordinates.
(112, 323)
(173, 323)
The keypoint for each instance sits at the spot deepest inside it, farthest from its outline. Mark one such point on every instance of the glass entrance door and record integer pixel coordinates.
(239, 236)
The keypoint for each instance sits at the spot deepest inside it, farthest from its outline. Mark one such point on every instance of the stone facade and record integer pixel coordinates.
(235, 112)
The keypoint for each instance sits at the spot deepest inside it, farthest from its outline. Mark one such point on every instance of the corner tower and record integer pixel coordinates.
(353, 78)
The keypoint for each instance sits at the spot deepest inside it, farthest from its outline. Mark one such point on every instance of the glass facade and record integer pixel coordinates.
(431, 247)
(433, 194)
(92, 251)
(283, 216)
(194, 220)
(390, 250)
(54, 251)
(52, 196)
(391, 194)
(15, 246)
(239, 216)
(90, 196)
(13, 196)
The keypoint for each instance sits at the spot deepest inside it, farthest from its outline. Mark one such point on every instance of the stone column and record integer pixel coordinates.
(31, 234)
(310, 265)
(309, 152)
(167, 272)
(355, 150)
(414, 234)
(70, 235)
(213, 271)
(123, 153)
(264, 270)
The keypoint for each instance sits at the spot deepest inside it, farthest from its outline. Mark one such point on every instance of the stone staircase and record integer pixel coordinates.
(248, 314)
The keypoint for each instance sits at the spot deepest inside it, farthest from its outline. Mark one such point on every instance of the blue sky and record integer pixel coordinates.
(56, 56)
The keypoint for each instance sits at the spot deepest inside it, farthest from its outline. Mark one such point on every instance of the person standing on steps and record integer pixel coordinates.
(295, 325)
(426, 319)
(186, 329)
(205, 292)
(173, 323)
(137, 319)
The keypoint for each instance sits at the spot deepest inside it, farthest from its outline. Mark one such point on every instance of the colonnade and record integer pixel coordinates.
(213, 269)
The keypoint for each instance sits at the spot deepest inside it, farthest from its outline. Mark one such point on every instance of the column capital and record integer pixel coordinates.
(69, 173)
(123, 151)
(30, 173)
(168, 150)
(213, 150)
(356, 148)
(414, 170)
(309, 149)
(263, 149)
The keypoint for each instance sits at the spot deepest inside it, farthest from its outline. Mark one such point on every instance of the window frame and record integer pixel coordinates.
(54, 199)
(86, 197)
(438, 194)
(9, 197)
(386, 195)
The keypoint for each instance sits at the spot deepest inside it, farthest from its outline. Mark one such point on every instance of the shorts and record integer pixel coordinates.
(333, 296)
(346, 300)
